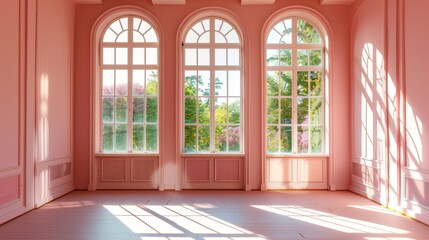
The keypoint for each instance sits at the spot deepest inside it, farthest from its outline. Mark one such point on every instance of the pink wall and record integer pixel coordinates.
(12, 108)
(252, 19)
(389, 157)
(369, 103)
(54, 89)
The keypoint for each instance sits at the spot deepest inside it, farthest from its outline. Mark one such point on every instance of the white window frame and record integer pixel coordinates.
(212, 68)
(324, 68)
(100, 29)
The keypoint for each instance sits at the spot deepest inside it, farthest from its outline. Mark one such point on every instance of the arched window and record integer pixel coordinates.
(294, 87)
(212, 106)
(128, 86)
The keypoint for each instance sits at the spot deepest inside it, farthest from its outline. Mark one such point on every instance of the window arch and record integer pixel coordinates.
(127, 94)
(294, 86)
(211, 87)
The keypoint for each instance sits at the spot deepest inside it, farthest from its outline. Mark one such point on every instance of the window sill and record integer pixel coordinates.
(126, 155)
(296, 155)
(212, 155)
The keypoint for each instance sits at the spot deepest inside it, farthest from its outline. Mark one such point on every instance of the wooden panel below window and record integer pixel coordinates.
(227, 169)
(217, 172)
(113, 170)
(143, 169)
(280, 170)
(197, 169)
(9, 189)
(297, 173)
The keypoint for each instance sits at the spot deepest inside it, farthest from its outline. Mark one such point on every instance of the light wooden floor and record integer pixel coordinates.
(225, 215)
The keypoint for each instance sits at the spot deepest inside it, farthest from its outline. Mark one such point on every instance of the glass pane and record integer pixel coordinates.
(151, 56)
(286, 111)
(286, 139)
(150, 36)
(234, 139)
(302, 57)
(152, 82)
(138, 138)
(108, 82)
(286, 83)
(124, 23)
(191, 37)
(203, 139)
(121, 56)
(280, 27)
(316, 83)
(190, 139)
(152, 109)
(287, 38)
(302, 137)
(302, 83)
(203, 57)
(122, 37)
(138, 82)
(234, 83)
(204, 110)
(220, 110)
(220, 56)
(205, 38)
(316, 110)
(198, 28)
(218, 24)
(121, 109)
(203, 83)
(225, 28)
(221, 83)
(272, 83)
(274, 37)
(206, 24)
(151, 138)
(219, 38)
(234, 110)
(190, 110)
(221, 138)
(109, 36)
(108, 109)
(285, 57)
(107, 145)
(137, 37)
(273, 111)
(108, 56)
(232, 37)
(121, 138)
(272, 57)
(191, 57)
(303, 111)
(307, 33)
(138, 56)
(138, 109)
(144, 27)
(233, 57)
(136, 23)
(315, 57)
(121, 82)
(316, 139)
(116, 27)
(273, 136)
(190, 83)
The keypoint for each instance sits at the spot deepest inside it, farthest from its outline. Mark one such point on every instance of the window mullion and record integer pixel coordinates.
(130, 88)
(294, 88)
(212, 87)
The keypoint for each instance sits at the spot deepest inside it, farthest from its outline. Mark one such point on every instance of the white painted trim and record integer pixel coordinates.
(96, 33)
(325, 30)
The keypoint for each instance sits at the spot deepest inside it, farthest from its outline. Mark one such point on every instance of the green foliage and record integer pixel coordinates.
(197, 111)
